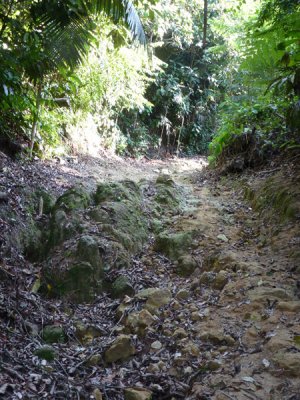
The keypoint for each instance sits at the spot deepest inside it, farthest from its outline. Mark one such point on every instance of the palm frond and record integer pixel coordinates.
(67, 30)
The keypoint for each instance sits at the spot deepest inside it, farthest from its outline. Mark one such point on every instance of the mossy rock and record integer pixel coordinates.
(165, 179)
(173, 245)
(53, 334)
(45, 353)
(73, 199)
(186, 265)
(123, 222)
(48, 200)
(121, 287)
(62, 227)
(79, 281)
(167, 196)
(33, 242)
(116, 257)
(120, 191)
(88, 250)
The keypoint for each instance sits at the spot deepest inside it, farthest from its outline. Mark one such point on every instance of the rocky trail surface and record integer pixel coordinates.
(148, 280)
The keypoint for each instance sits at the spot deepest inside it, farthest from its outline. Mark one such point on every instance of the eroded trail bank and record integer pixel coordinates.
(159, 281)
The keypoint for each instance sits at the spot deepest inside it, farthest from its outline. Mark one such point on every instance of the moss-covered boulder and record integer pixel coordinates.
(61, 228)
(165, 179)
(48, 200)
(73, 199)
(173, 245)
(118, 191)
(79, 282)
(124, 222)
(119, 211)
(53, 334)
(65, 222)
(33, 243)
(186, 265)
(167, 196)
(122, 287)
(88, 251)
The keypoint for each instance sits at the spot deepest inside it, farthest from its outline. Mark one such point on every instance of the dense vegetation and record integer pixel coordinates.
(214, 74)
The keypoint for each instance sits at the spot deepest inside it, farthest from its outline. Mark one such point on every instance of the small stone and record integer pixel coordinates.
(156, 345)
(122, 287)
(153, 369)
(173, 372)
(137, 394)
(261, 294)
(97, 394)
(32, 329)
(190, 348)
(207, 278)
(213, 365)
(186, 265)
(221, 280)
(45, 353)
(94, 360)
(188, 370)
(180, 333)
(145, 293)
(162, 365)
(173, 245)
(280, 342)
(216, 337)
(195, 316)
(158, 298)
(121, 349)
(289, 306)
(193, 307)
(223, 237)
(167, 332)
(86, 333)
(138, 321)
(123, 307)
(176, 305)
(182, 294)
(289, 362)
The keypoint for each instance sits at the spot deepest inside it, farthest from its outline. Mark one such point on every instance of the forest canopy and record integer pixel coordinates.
(183, 76)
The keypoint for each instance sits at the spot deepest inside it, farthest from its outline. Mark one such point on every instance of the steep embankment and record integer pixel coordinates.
(189, 292)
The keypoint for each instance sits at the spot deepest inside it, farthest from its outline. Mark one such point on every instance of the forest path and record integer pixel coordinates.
(230, 330)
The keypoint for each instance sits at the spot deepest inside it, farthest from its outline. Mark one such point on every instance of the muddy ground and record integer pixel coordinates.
(228, 329)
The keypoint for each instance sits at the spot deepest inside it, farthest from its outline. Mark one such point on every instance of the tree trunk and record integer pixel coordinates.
(35, 117)
(204, 41)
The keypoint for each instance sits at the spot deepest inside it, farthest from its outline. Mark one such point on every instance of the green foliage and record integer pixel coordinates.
(41, 42)
(255, 116)
(263, 96)
(72, 67)
(184, 91)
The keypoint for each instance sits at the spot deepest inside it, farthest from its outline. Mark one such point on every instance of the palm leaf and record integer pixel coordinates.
(67, 30)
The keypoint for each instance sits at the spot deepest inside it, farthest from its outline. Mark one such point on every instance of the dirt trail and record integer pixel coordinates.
(229, 331)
